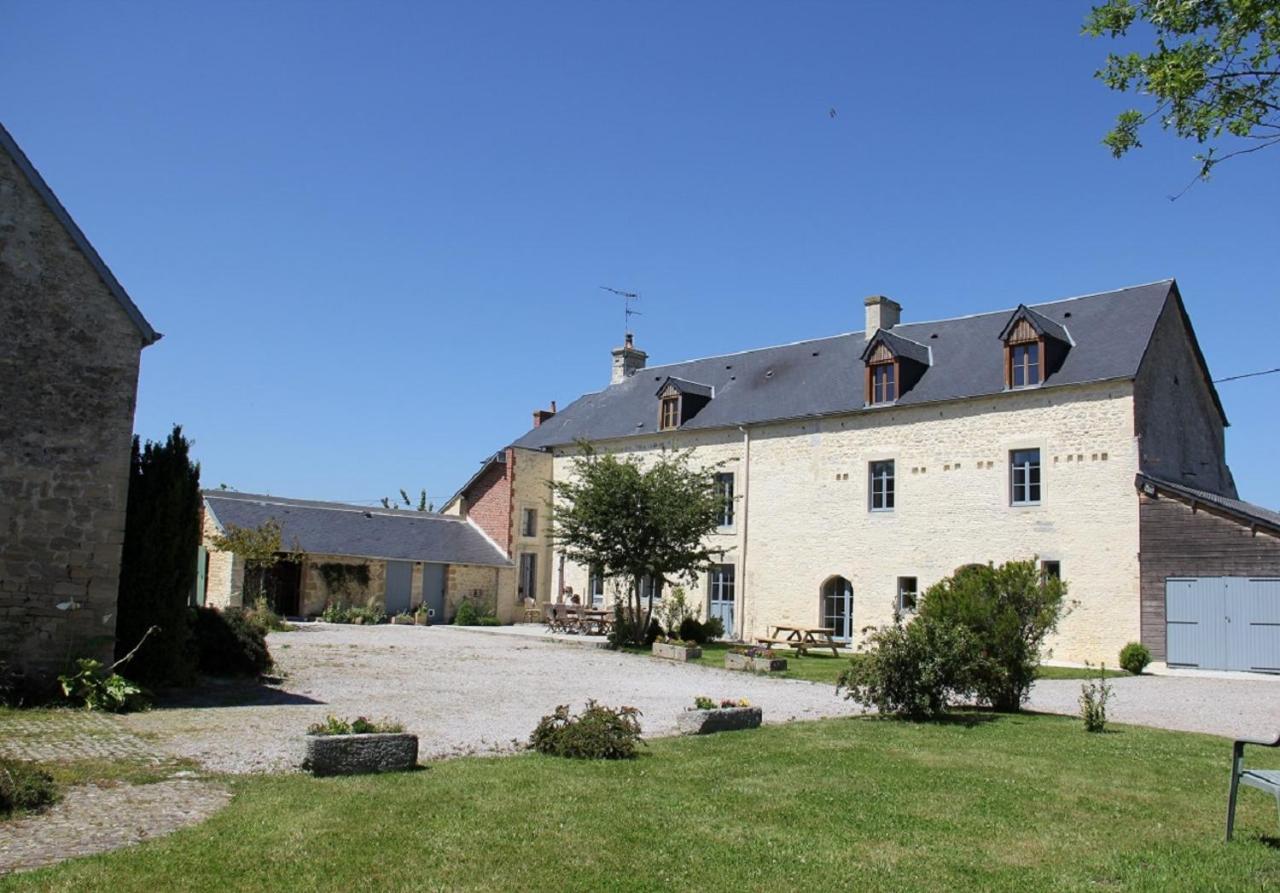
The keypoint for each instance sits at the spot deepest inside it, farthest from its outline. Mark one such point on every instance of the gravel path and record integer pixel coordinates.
(459, 690)
(1232, 707)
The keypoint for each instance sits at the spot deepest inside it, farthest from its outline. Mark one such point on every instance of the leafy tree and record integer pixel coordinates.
(637, 521)
(1214, 74)
(1009, 610)
(158, 560)
(260, 547)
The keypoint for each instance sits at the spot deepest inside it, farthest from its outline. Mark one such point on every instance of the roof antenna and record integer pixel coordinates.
(627, 312)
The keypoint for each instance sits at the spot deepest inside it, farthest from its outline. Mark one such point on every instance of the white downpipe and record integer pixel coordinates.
(741, 614)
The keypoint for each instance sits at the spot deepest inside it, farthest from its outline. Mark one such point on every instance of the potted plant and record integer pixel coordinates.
(354, 747)
(755, 658)
(422, 617)
(404, 618)
(669, 648)
(706, 716)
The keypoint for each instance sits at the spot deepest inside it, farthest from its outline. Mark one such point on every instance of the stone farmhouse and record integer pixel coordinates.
(70, 345)
(352, 555)
(859, 469)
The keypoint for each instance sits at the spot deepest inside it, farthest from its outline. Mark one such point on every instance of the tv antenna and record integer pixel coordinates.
(627, 312)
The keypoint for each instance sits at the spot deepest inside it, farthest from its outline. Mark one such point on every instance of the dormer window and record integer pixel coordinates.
(1034, 348)
(670, 415)
(894, 365)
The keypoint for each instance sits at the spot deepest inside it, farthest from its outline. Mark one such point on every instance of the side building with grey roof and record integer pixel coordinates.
(862, 468)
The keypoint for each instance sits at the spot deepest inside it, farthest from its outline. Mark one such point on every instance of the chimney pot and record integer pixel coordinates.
(627, 360)
(541, 415)
(882, 313)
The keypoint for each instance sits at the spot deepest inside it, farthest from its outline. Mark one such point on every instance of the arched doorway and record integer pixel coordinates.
(836, 608)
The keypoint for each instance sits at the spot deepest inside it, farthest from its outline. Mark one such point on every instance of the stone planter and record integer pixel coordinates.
(722, 719)
(754, 664)
(421, 620)
(401, 621)
(681, 653)
(360, 754)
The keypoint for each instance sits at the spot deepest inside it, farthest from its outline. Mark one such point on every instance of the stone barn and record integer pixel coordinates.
(70, 344)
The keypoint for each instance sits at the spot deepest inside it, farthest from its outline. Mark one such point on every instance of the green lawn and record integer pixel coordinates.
(997, 803)
(818, 667)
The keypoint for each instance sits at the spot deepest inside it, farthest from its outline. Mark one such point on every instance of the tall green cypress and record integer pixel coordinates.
(158, 564)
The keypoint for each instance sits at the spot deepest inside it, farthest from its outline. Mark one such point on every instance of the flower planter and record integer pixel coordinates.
(723, 719)
(402, 621)
(681, 653)
(754, 664)
(360, 754)
(421, 620)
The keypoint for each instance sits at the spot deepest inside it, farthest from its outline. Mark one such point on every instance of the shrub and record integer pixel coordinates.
(653, 633)
(336, 612)
(95, 688)
(1094, 695)
(361, 725)
(714, 628)
(675, 612)
(692, 631)
(369, 615)
(1134, 658)
(264, 617)
(597, 733)
(1009, 610)
(471, 613)
(913, 671)
(24, 787)
(229, 644)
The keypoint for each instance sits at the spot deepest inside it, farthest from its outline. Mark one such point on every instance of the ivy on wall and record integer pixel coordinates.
(344, 579)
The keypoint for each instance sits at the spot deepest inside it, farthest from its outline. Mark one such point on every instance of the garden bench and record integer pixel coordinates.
(802, 638)
(1266, 780)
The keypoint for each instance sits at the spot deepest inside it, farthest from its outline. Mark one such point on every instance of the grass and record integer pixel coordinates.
(825, 668)
(986, 802)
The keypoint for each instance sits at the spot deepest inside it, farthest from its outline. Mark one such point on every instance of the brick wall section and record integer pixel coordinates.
(488, 502)
(1179, 542)
(68, 379)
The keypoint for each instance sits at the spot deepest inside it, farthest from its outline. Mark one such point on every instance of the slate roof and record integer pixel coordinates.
(686, 387)
(335, 528)
(1110, 332)
(14, 151)
(1246, 511)
(901, 347)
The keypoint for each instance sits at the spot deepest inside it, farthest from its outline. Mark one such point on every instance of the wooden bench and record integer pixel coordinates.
(1266, 780)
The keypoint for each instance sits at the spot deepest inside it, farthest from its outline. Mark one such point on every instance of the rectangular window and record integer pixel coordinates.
(1051, 570)
(724, 484)
(670, 413)
(884, 387)
(650, 585)
(528, 587)
(1024, 477)
(882, 486)
(1025, 365)
(595, 586)
(722, 584)
(529, 522)
(908, 592)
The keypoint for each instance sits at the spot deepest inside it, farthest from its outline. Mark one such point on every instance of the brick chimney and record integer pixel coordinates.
(882, 313)
(541, 415)
(627, 360)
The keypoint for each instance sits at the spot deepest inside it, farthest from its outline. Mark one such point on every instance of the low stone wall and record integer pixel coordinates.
(361, 754)
(734, 661)
(676, 652)
(723, 719)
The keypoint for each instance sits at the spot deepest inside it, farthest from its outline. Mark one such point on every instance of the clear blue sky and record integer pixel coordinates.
(373, 234)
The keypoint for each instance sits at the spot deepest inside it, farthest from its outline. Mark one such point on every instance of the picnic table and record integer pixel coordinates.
(802, 638)
(578, 619)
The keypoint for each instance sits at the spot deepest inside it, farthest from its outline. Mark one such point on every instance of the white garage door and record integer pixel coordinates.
(1223, 623)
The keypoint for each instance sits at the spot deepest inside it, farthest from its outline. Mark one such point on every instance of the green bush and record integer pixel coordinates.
(597, 733)
(369, 615)
(1009, 611)
(95, 688)
(361, 725)
(471, 613)
(691, 630)
(335, 612)
(714, 628)
(912, 671)
(230, 644)
(24, 787)
(1094, 695)
(265, 618)
(1134, 658)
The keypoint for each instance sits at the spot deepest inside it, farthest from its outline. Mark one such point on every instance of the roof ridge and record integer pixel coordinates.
(324, 504)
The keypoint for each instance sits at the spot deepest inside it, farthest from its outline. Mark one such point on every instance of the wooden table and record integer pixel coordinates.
(586, 620)
(802, 638)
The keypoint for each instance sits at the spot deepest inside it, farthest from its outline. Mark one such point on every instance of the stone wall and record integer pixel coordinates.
(224, 579)
(468, 581)
(68, 378)
(802, 506)
(530, 477)
(316, 594)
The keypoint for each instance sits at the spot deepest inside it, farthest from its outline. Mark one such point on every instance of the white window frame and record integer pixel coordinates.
(914, 593)
(1022, 494)
(888, 490)
(726, 484)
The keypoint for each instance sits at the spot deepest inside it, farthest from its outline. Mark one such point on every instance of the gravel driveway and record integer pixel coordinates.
(461, 691)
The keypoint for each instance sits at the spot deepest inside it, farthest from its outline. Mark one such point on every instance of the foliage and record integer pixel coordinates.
(702, 702)
(361, 725)
(636, 521)
(263, 616)
(676, 610)
(761, 651)
(673, 640)
(597, 733)
(913, 671)
(423, 505)
(1009, 611)
(713, 627)
(1213, 75)
(473, 613)
(157, 560)
(230, 644)
(692, 630)
(1094, 695)
(1134, 657)
(94, 687)
(261, 548)
(344, 580)
(24, 787)
(340, 612)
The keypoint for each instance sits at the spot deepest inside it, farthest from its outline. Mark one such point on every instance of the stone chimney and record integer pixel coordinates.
(541, 415)
(882, 313)
(627, 361)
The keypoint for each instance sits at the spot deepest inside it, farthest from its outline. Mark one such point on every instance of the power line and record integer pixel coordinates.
(1247, 375)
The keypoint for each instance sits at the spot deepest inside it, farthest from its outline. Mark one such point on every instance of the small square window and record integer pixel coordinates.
(1024, 477)
(881, 486)
(1051, 570)
(908, 594)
